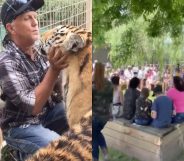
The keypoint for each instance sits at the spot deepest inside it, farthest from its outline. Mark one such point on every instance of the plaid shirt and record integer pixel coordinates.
(19, 75)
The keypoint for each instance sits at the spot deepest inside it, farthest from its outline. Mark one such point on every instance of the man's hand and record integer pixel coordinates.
(57, 59)
(154, 114)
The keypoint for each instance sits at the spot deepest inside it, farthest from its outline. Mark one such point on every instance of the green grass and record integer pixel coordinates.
(5, 152)
(115, 155)
(181, 157)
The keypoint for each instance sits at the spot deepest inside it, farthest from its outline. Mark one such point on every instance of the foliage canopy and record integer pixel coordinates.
(162, 16)
(140, 31)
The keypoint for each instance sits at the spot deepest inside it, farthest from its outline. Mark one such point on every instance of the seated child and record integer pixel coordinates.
(143, 108)
(162, 109)
(151, 96)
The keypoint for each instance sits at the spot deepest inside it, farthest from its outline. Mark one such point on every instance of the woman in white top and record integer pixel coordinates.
(117, 96)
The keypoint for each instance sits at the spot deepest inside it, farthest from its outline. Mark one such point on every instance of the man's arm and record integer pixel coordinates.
(42, 92)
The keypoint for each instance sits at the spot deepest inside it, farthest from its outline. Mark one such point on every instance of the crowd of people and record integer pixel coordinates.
(141, 95)
(148, 74)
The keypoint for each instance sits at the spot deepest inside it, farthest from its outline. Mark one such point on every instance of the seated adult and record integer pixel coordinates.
(130, 96)
(117, 96)
(162, 109)
(177, 96)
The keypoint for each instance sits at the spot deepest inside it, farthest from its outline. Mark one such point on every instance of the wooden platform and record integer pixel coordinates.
(145, 143)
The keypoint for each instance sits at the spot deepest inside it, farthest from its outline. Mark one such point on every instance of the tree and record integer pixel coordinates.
(106, 13)
(162, 16)
(131, 45)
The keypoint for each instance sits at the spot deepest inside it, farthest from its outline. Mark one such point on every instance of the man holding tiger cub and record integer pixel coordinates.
(31, 119)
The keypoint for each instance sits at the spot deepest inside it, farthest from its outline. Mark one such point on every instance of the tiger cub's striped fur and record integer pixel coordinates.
(70, 38)
(76, 86)
(76, 80)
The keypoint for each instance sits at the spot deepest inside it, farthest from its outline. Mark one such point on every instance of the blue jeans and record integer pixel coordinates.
(142, 121)
(179, 118)
(29, 138)
(97, 136)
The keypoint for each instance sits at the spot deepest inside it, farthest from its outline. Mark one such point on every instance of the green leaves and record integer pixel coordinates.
(106, 14)
(127, 43)
(162, 16)
(136, 30)
(130, 44)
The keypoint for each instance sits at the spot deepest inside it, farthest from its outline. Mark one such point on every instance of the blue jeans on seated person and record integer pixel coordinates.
(29, 138)
(142, 121)
(179, 118)
(159, 125)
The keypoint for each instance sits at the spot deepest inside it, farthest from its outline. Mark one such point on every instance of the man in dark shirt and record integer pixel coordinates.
(130, 96)
(31, 119)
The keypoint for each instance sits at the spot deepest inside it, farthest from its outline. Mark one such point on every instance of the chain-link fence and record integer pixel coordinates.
(61, 12)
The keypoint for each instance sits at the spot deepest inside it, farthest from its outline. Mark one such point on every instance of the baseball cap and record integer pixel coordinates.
(13, 8)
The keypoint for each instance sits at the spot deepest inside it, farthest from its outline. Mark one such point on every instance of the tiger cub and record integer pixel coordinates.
(76, 87)
(76, 80)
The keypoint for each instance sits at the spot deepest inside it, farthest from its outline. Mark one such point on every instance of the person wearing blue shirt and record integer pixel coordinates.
(162, 109)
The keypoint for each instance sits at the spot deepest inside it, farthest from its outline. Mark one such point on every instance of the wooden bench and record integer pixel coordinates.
(144, 142)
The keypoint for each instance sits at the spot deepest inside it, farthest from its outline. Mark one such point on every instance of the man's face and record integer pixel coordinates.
(25, 27)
